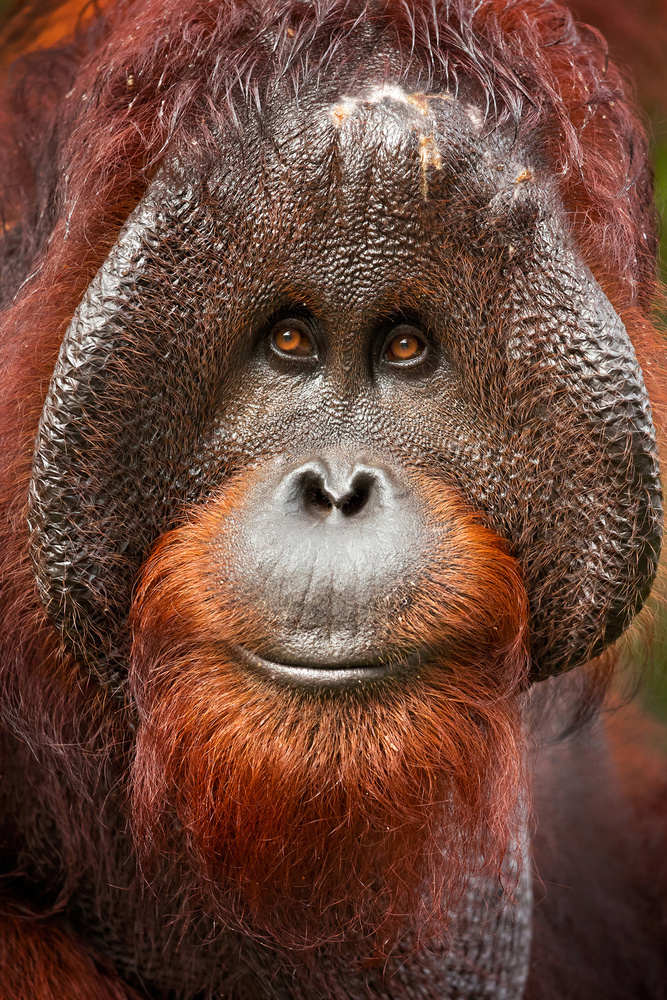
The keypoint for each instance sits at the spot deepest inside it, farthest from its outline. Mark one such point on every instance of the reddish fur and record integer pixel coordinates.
(600, 922)
(78, 155)
(35, 26)
(313, 821)
(637, 37)
(42, 961)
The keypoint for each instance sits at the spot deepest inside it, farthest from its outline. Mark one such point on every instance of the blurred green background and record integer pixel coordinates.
(653, 690)
(660, 163)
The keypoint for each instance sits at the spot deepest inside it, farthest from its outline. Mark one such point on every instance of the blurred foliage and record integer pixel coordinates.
(653, 690)
(660, 163)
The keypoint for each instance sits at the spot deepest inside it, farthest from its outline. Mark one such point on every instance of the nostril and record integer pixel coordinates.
(356, 499)
(319, 491)
(315, 497)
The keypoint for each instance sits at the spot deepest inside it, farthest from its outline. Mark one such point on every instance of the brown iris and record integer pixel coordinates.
(289, 339)
(405, 347)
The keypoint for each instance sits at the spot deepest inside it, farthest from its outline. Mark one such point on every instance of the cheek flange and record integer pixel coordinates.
(99, 493)
(585, 511)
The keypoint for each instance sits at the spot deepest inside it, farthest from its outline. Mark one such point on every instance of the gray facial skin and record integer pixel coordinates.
(361, 213)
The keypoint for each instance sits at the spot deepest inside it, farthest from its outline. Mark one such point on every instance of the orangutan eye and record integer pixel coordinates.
(291, 338)
(407, 344)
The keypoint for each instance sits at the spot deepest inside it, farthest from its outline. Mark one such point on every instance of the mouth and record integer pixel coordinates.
(326, 675)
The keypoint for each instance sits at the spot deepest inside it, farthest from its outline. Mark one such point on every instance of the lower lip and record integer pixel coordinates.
(322, 677)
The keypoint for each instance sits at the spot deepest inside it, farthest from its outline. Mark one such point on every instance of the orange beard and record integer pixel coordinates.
(307, 818)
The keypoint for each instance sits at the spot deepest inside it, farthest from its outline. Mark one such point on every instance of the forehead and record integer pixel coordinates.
(378, 169)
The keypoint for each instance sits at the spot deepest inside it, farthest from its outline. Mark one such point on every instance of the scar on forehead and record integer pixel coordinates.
(339, 113)
(418, 100)
(429, 156)
(475, 115)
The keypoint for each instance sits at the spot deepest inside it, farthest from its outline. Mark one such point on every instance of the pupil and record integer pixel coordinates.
(288, 340)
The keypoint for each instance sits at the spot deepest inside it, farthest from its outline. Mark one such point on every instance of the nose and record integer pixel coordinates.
(333, 491)
(321, 547)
